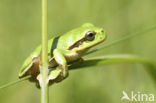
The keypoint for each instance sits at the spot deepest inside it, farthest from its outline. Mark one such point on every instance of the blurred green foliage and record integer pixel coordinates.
(20, 33)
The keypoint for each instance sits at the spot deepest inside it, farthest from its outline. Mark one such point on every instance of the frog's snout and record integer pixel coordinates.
(102, 37)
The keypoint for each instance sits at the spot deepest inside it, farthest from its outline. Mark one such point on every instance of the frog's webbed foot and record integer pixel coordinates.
(63, 73)
(57, 75)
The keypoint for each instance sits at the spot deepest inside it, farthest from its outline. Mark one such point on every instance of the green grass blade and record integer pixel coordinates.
(130, 36)
(15, 82)
(113, 59)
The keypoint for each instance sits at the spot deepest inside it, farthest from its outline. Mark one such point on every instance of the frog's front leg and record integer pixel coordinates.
(61, 61)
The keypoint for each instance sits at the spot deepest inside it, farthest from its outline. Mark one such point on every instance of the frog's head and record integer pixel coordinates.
(87, 37)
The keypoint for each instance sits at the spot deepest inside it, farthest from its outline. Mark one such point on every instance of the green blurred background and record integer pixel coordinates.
(20, 33)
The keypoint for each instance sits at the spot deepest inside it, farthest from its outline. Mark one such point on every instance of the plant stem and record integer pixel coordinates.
(44, 70)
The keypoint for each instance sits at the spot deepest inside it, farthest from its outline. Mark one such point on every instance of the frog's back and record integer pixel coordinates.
(69, 38)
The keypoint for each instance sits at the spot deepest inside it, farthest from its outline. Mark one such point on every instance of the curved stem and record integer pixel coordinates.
(112, 59)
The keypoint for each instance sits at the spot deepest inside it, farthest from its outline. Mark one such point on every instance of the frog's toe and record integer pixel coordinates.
(64, 71)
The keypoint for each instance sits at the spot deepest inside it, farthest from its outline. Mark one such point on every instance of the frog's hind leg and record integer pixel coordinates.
(31, 69)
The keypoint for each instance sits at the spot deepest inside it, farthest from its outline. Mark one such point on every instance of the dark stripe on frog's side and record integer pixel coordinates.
(77, 44)
(54, 45)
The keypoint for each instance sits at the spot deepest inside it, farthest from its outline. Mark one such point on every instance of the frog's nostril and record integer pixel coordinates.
(102, 31)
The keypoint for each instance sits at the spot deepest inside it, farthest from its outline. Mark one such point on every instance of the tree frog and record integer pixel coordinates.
(64, 49)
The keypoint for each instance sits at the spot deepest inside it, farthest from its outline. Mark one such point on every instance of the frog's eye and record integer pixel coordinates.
(90, 35)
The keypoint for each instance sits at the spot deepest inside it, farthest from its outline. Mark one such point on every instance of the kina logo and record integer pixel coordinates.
(137, 96)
